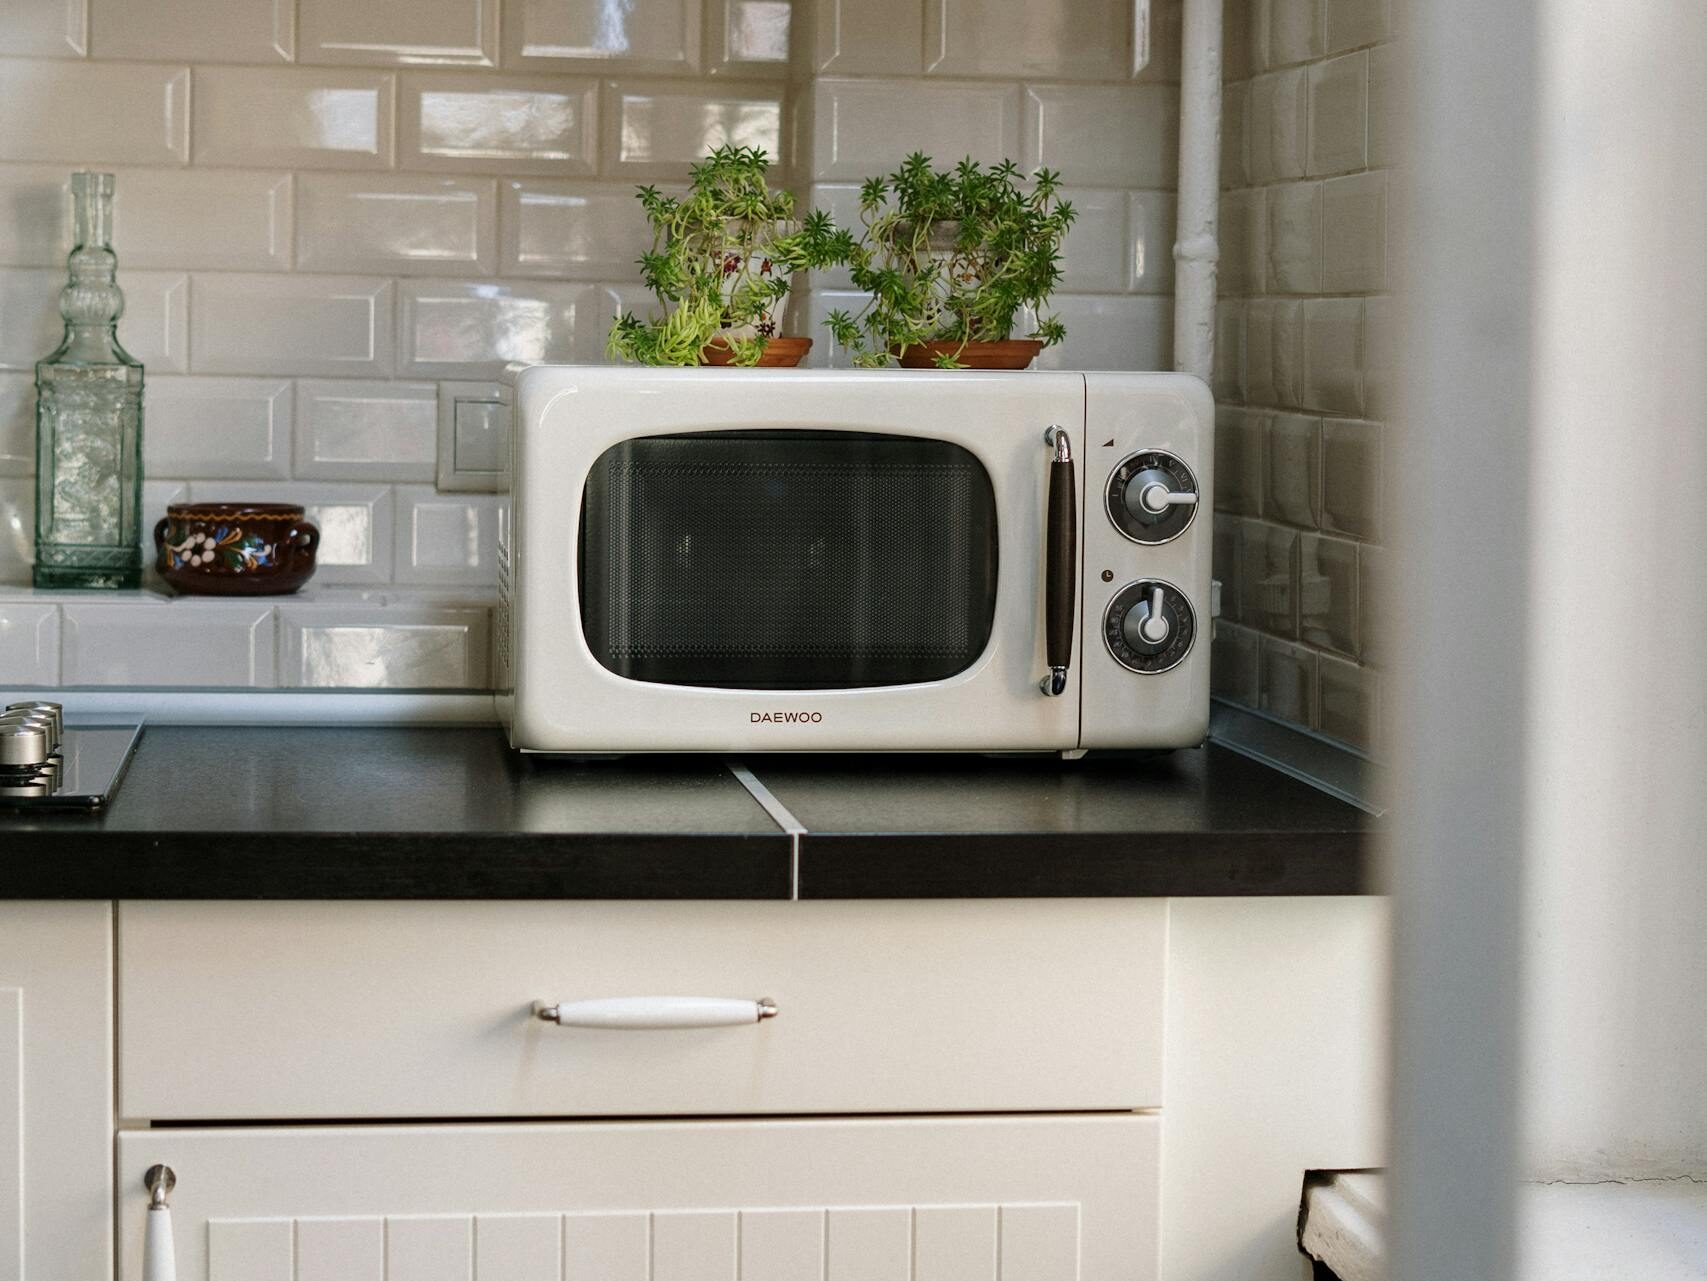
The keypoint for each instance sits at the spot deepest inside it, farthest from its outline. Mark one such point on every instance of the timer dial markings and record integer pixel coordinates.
(1151, 497)
(1149, 626)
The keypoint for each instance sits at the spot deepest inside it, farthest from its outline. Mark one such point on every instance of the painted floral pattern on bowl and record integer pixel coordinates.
(235, 549)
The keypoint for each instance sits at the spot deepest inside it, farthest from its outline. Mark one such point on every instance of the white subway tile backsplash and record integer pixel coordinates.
(862, 128)
(297, 117)
(1380, 357)
(585, 231)
(217, 428)
(1235, 123)
(1102, 136)
(1339, 115)
(45, 28)
(446, 538)
(748, 37)
(1227, 374)
(1383, 105)
(641, 35)
(1353, 23)
(861, 37)
(35, 215)
(355, 523)
(1096, 256)
(1354, 233)
(1333, 339)
(230, 219)
(1294, 241)
(1071, 39)
(405, 223)
(1286, 352)
(327, 325)
(1259, 380)
(1295, 31)
(1279, 123)
(389, 647)
(469, 329)
(111, 113)
(1112, 333)
(216, 644)
(17, 424)
(366, 430)
(490, 124)
(1244, 238)
(194, 30)
(407, 32)
(658, 128)
(17, 528)
(1151, 226)
(29, 643)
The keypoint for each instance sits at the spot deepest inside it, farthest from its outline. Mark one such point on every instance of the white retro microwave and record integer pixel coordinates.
(853, 560)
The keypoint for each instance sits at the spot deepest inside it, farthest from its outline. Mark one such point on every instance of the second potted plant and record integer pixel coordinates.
(721, 263)
(951, 259)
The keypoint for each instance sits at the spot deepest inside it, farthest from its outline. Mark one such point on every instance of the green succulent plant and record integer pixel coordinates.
(953, 256)
(722, 258)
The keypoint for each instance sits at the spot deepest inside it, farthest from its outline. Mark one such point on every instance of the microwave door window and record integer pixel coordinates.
(787, 560)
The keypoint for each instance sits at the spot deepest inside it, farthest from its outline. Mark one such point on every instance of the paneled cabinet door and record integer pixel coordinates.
(919, 1199)
(56, 1091)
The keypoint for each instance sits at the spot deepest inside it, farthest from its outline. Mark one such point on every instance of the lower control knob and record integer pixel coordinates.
(1149, 626)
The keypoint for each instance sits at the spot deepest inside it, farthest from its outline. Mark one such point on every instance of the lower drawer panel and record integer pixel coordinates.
(955, 1199)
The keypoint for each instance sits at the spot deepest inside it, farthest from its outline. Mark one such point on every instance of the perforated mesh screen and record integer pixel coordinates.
(787, 560)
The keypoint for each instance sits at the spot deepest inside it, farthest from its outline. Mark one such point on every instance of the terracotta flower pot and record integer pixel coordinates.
(1013, 353)
(779, 353)
(235, 549)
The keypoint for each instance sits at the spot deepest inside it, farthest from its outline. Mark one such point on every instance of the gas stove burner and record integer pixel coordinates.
(47, 764)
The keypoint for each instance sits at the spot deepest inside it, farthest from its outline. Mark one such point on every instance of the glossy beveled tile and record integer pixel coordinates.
(1294, 239)
(1238, 460)
(581, 230)
(29, 643)
(446, 538)
(470, 329)
(101, 114)
(1292, 488)
(1227, 371)
(491, 124)
(1235, 121)
(1339, 115)
(1268, 577)
(1333, 364)
(336, 326)
(1244, 240)
(230, 219)
(154, 327)
(354, 522)
(17, 529)
(861, 37)
(1287, 352)
(1380, 357)
(1134, 332)
(213, 644)
(1352, 477)
(658, 128)
(35, 215)
(194, 30)
(217, 428)
(647, 36)
(1327, 593)
(1348, 701)
(17, 424)
(330, 646)
(1095, 256)
(45, 28)
(1278, 125)
(297, 117)
(1354, 233)
(866, 127)
(412, 224)
(1259, 387)
(1233, 663)
(1152, 219)
(1287, 678)
(364, 429)
(1103, 136)
(405, 32)
(1295, 31)
(748, 37)
(1064, 39)
(1384, 122)
(1353, 23)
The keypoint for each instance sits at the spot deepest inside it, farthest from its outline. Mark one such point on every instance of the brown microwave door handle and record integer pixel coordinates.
(1061, 560)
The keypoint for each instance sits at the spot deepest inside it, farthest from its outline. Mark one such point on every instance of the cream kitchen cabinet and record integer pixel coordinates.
(56, 1091)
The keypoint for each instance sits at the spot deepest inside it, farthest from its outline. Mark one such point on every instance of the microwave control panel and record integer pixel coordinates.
(1149, 462)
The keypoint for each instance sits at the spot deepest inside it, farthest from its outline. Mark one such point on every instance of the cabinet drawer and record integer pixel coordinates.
(278, 1011)
(976, 1199)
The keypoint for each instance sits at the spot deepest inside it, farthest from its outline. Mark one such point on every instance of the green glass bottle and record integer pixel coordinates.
(89, 419)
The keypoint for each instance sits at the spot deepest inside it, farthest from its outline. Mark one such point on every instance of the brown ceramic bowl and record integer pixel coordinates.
(1011, 353)
(235, 549)
(779, 353)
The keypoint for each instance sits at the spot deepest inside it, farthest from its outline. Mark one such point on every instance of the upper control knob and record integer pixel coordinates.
(1152, 497)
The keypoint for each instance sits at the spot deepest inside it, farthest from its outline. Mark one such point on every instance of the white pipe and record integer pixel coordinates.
(1196, 243)
(1140, 35)
(1467, 289)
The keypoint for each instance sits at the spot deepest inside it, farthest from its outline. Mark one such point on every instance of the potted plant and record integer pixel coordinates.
(950, 259)
(721, 262)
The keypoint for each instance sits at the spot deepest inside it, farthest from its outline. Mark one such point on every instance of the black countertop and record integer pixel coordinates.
(452, 813)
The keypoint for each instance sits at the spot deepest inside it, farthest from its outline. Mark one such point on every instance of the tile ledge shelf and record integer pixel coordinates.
(266, 707)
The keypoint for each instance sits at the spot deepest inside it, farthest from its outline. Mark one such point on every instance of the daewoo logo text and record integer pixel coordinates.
(786, 718)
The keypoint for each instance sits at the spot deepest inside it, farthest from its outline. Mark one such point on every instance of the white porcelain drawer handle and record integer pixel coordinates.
(657, 1013)
(159, 1260)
